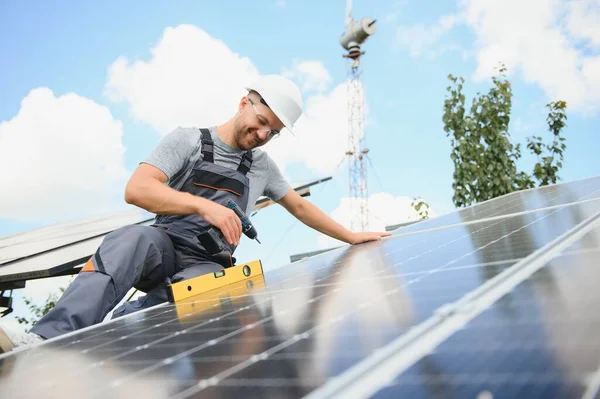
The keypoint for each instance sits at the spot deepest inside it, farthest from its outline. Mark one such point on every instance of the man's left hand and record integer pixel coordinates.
(358, 238)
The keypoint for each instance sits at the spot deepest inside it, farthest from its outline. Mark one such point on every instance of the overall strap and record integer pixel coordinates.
(245, 163)
(207, 146)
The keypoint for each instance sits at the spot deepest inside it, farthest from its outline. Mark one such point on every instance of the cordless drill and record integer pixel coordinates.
(213, 240)
(247, 227)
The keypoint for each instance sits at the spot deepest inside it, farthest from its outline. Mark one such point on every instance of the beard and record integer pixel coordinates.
(245, 138)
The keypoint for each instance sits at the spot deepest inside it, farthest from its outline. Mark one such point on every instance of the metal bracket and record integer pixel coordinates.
(6, 302)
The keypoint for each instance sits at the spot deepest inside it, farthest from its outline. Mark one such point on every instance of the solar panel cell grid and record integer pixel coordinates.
(312, 321)
(539, 340)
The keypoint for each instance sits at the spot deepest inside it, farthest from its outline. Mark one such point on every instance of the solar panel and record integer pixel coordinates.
(301, 329)
(538, 340)
(516, 202)
(37, 241)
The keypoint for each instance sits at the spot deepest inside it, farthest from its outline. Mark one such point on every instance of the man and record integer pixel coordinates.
(186, 181)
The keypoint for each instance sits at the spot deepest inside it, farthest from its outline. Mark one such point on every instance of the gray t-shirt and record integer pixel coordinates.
(175, 149)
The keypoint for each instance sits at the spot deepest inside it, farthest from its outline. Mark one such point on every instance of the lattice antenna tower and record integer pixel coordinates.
(355, 34)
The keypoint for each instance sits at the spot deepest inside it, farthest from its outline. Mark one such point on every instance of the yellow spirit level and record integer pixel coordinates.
(213, 302)
(208, 282)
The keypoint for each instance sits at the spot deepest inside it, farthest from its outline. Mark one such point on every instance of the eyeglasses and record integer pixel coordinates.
(271, 133)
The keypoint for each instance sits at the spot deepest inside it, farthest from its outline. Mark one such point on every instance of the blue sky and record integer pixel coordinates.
(89, 88)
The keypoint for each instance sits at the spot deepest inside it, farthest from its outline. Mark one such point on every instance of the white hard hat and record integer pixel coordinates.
(281, 95)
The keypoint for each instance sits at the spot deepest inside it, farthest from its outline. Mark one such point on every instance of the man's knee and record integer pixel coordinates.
(137, 244)
(134, 252)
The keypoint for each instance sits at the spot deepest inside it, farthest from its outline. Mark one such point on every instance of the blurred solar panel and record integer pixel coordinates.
(538, 340)
(294, 333)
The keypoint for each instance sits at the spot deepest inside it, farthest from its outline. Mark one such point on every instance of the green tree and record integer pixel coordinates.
(485, 159)
(38, 311)
(421, 207)
(550, 156)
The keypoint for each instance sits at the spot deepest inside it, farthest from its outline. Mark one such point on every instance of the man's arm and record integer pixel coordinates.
(147, 190)
(312, 216)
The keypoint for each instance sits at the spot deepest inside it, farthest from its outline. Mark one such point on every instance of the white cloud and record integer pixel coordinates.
(420, 38)
(551, 43)
(384, 210)
(311, 75)
(321, 135)
(535, 44)
(583, 21)
(62, 158)
(192, 79)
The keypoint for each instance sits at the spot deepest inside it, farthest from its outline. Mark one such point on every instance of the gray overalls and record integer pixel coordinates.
(144, 256)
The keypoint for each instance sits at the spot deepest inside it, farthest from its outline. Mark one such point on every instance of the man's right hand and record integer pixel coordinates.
(223, 218)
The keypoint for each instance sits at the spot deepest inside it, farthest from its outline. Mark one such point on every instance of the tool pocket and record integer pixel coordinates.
(216, 181)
